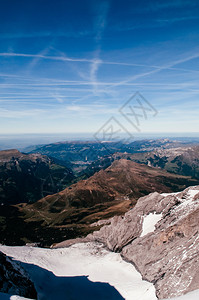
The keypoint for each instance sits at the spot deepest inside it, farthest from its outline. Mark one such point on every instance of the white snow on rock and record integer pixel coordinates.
(89, 259)
(187, 202)
(193, 193)
(149, 223)
(11, 297)
(169, 194)
(189, 296)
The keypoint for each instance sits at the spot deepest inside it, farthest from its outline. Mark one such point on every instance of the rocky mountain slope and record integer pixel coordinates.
(123, 181)
(14, 279)
(29, 177)
(69, 213)
(160, 237)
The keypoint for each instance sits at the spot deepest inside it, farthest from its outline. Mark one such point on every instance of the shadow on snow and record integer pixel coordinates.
(52, 287)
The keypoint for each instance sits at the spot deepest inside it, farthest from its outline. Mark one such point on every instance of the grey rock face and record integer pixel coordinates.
(167, 256)
(14, 280)
(124, 229)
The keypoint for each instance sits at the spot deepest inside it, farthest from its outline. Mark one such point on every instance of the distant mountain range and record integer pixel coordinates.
(180, 160)
(51, 168)
(86, 158)
(89, 151)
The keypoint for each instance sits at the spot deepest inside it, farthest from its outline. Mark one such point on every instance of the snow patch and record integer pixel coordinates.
(4, 296)
(188, 203)
(15, 297)
(169, 194)
(149, 223)
(192, 193)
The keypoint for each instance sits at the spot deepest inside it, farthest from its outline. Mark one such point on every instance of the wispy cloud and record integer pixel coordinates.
(50, 34)
(154, 23)
(164, 67)
(101, 19)
(36, 60)
(160, 5)
(99, 26)
(61, 58)
(10, 113)
(93, 74)
(95, 61)
(92, 109)
(176, 19)
(58, 97)
(51, 111)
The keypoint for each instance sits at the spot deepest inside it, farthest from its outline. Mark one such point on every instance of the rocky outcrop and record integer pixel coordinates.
(160, 237)
(168, 256)
(14, 280)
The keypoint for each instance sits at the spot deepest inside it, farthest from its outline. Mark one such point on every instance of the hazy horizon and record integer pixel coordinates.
(21, 141)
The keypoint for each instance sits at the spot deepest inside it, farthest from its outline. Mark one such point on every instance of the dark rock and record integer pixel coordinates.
(14, 280)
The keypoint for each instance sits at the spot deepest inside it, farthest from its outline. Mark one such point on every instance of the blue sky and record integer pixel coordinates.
(68, 66)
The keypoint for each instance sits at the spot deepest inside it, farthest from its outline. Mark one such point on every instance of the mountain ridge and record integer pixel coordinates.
(109, 192)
